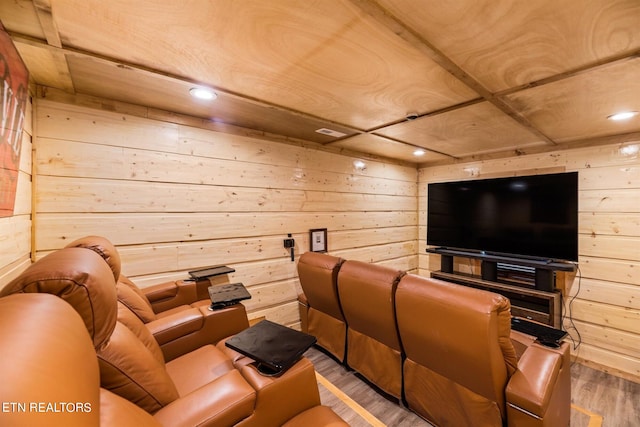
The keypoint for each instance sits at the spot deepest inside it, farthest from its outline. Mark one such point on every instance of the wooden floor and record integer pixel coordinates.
(598, 399)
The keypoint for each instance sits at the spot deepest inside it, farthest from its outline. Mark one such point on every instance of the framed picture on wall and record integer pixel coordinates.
(318, 240)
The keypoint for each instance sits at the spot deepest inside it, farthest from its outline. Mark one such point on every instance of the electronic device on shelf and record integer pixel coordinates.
(545, 335)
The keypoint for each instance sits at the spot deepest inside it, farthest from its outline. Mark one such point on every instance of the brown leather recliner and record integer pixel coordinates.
(320, 310)
(199, 388)
(178, 319)
(161, 297)
(461, 366)
(367, 297)
(50, 371)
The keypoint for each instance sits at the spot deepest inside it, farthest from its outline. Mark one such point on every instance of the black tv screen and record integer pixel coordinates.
(528, 216)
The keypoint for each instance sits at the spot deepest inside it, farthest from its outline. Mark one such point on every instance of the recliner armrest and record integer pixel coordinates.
(176, 325)
(225, 401)
(281, 398)
(541, 381)
(168, 295)
(214, 326)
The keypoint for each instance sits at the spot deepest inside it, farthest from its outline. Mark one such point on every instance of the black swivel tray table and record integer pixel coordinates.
(274, 347)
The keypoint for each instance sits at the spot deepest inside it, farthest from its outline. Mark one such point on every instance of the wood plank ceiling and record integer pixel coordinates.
(481, 78)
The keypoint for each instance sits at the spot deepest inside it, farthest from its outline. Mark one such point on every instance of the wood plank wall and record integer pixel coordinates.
(15, 230)
(606, 308)
(175, 197)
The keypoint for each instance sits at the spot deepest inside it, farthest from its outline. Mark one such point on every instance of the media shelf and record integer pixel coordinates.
(534, 298)
(543, 307)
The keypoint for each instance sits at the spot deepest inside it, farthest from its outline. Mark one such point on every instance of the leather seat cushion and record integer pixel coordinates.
(197, 368)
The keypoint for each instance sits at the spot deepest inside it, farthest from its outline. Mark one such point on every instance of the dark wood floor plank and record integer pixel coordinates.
(617, 400)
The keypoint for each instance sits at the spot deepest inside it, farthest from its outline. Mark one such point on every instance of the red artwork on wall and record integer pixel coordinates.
(13, 100)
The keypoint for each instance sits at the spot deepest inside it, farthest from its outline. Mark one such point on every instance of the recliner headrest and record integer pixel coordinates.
(103, 247)
(81, 278)
(320, 260)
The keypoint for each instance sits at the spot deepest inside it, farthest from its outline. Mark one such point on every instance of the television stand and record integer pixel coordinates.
(544, 268)
(535, 297)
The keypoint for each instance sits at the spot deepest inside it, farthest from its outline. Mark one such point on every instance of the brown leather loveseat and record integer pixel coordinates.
(460, 363)
(202, 387)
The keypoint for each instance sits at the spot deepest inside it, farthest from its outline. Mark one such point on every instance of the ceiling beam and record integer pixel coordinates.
(51, 33)
(631, 140)
(62, 52)
(146, 112)
(35, 42)
(48, 24)
(393, 24)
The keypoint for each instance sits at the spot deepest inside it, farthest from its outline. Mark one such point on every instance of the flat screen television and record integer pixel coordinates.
(523, 217)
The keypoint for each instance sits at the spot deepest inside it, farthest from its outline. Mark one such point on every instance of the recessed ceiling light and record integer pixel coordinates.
(359, 165)
(630, 150)
(419, 152)
(623, 115)
(203, 93)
